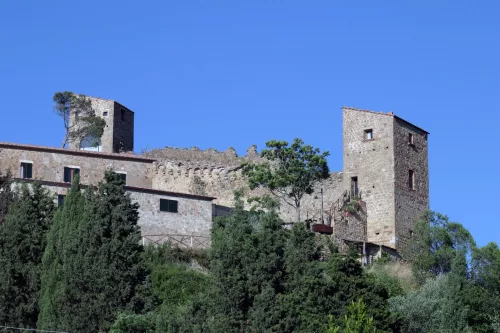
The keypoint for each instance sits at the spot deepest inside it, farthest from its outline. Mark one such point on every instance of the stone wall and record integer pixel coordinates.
(372, 161)
(218, 174)
(123, 129)
(194, 217)
(49, 163)
(118, 134)
(410, 203)
(189, 227)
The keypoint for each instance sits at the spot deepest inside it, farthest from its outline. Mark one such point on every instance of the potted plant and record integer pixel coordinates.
(352, 207)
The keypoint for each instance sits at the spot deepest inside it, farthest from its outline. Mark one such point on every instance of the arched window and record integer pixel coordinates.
(91, 143)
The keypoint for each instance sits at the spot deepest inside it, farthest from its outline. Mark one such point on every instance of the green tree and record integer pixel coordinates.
(94, 267)
(289, 172)
(357, 320)
(79, 117)
(349, 282)
(6, 195)
(436, 242)
(22, 243)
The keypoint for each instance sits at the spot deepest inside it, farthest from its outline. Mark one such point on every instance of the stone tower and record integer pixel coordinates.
(385, 161)
(118, 134)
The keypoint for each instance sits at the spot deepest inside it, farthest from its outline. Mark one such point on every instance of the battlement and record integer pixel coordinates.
(192, 158)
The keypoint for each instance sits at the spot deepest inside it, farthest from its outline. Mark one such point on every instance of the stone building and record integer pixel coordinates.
(385, 174)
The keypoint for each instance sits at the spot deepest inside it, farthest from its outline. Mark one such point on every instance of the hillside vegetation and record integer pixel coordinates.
(81, 268)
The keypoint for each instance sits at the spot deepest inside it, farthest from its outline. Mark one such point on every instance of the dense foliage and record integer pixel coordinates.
(93, 264)
(81, 268)
(22, 243)
(289, 171)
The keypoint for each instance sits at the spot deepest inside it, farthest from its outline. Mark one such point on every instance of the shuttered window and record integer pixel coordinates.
(70, 174)
(171, 206)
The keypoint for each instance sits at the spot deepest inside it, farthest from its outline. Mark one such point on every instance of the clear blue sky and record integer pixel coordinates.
(235, 73)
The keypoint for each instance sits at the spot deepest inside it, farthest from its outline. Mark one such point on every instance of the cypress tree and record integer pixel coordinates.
(6, 195)
(22, 243)
(94, 267)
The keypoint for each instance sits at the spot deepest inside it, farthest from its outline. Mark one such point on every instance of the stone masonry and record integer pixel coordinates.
(385, 164)
(119, 132)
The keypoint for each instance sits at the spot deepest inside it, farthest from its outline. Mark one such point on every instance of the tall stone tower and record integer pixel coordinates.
(386, 162)
(119, 131)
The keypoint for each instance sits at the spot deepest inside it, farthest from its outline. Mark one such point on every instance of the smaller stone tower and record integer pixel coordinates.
(385, 161)
(118, 134)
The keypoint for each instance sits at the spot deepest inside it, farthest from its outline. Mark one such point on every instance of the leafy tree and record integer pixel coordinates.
(78, 116)
(22, 243)
(482, 294)
(357, 320)
(94, 267)
(349, 282)
(436, 242)
(289, 172)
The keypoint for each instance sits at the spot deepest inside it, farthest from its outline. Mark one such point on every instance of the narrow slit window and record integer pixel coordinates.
(411, 139)
(354, 187)
(70, 174)
(411, 180)
(369, 134)
(171, 206)
(26, 170)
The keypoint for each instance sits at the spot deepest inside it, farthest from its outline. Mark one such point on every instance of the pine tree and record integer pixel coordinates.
(94, 267)
(22, 243)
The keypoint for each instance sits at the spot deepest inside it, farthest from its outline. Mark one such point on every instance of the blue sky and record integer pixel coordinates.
(236, 73)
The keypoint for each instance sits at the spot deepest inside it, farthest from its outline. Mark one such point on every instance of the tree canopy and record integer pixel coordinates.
(288, 171)
(79, 118)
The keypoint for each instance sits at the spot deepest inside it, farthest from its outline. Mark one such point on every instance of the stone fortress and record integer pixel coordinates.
(181, 190)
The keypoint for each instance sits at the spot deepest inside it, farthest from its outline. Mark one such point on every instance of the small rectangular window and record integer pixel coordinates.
(369, 134)
(26, 170)
(70, 174)
(122, 177)
(105, 114)
(411, 139)
(411, 179)
(354, 187)
(60, 200)
(123, 115)
(170, 206)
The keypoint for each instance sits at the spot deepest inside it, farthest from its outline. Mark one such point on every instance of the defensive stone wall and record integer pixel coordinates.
(219, 174)
(411, 203)
(371, 160)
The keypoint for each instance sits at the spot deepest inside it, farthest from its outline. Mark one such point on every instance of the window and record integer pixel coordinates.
(411, 139)
(169, 205)
(411, 233)
(70, 174)
(354, 187)
(411, 179)
(105, 114)
(122, 177)
(26, 170)
(60, 200)
(369, 134)
(123, 115)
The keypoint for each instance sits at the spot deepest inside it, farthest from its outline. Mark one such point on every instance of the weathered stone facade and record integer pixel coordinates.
(49, 163)
(118, 134)
(382, 152)
(189, 226)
